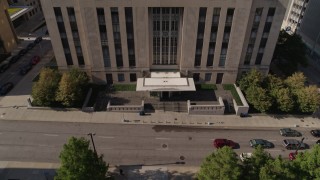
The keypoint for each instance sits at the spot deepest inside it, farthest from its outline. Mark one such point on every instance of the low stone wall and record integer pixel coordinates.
(125, 108)
(207, 109)
(245, 107)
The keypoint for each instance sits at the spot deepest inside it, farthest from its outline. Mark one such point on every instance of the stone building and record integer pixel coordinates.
(205, 41)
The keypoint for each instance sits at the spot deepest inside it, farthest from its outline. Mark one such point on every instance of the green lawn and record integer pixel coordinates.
(124, 87)
(234, 93)
(12, 11)
(206, 87)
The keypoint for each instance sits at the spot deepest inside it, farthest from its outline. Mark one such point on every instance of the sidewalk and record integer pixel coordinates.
(47, 171)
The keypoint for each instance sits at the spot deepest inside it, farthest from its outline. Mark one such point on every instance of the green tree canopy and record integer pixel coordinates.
(258, 97)
(290, 52)
(277, 169)
(252, 78)
(254, 164)
(308, 99)
(72, 86)
(308, 163)
(78, 162)
(296, 81)
(284, 99)
(222, 164)
(44, 91)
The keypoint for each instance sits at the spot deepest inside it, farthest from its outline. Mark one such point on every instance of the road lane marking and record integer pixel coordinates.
(106, 137)
(160, 138)
(274, 150)
(50, 134)
(161, 149)
(106, 148)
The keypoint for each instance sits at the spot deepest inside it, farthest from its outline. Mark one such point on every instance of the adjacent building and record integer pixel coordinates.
(310, 30)
(207, 41)
(294, 15)
(8, 39)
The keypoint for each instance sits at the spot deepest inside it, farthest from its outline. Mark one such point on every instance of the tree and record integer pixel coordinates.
(72, 87)
(284, 100)
(259, 98)
(296, 81)
(222, 164)
(308, 99)
(277, 169)
(290, 52)
(254, 164)
(44, 91)
(78, 162)
(252, 78)
(308, 163)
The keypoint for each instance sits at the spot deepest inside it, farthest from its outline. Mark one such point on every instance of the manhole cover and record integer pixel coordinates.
(164, 146)
(190, 138)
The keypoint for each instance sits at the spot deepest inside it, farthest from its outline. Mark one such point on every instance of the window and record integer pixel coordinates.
(196, 77)
(207, 76)
(120, 77)
(133, 77)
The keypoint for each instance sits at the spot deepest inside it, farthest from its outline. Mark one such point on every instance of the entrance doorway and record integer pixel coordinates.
(164, 95)
(109, 78)
(219, 78)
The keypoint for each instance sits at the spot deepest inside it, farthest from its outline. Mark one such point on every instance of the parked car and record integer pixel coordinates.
(219, 143)
(315, 133)
(23, 52)
(263, 143)
(245, 156)
(38, 39)
(4, 66)
(14, 59)
(25, 68)
(35, 60)
(290, 132)
(293, 144)
(30, 46)
(5, 88)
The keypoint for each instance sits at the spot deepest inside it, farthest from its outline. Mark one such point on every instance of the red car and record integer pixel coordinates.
(292, 155)
(35, 60)
(219, 143)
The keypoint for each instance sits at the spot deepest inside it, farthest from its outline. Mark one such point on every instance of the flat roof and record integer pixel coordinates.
(165, 74)
(24, 10)
(165, 84)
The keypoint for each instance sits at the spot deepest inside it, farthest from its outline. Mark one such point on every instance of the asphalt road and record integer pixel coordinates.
(128, 144)
(12, 74)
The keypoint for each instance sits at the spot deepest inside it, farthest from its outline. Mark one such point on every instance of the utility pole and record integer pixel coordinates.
(94, 147)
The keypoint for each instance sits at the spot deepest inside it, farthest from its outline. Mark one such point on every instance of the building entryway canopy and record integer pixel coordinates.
(165, 81)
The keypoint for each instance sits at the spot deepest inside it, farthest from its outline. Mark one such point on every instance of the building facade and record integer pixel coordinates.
(310, 30)
(294, 15)
(8, 38)
(211, 41)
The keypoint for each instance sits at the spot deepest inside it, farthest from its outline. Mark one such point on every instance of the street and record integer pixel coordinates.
(129, 144)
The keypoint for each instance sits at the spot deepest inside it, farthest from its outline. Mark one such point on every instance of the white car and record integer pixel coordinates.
(244, 156)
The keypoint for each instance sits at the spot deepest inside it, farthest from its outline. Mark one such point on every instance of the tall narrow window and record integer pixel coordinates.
(75, 34)
(103, 37)
(213, 35)
(253, 35)
(116, 35)
(63, 35)
(165, 35)
(130, 36)
(226, 37)
(264, 38)
(201, 27)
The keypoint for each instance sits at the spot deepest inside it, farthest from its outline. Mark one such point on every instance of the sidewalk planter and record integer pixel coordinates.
(207, 109)
(241, 109)
(125, 108)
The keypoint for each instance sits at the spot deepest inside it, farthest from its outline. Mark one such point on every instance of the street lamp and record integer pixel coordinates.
(94, 147)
